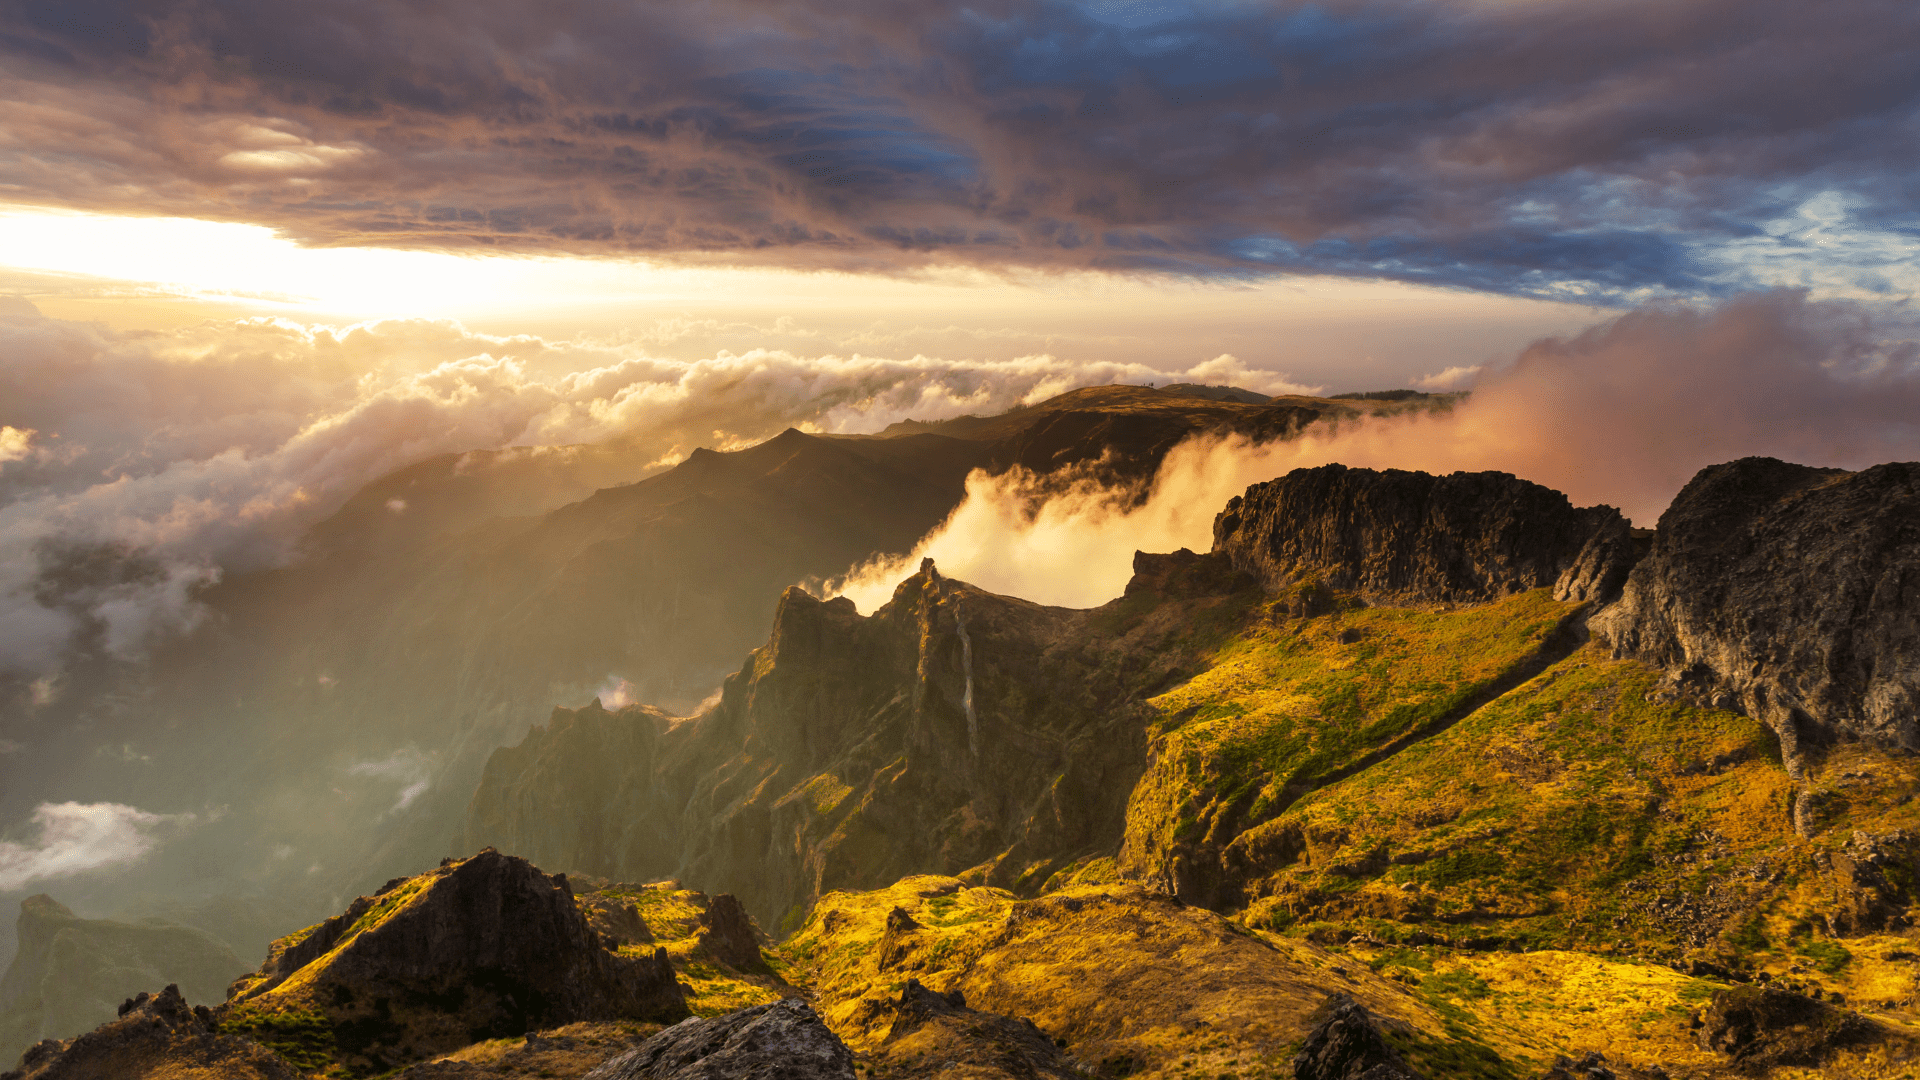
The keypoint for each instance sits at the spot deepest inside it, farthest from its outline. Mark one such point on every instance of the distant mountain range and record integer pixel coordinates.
(327, 721)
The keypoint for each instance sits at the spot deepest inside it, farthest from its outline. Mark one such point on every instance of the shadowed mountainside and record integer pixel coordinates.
(69, 973)
(959, 732)
(1795, 591)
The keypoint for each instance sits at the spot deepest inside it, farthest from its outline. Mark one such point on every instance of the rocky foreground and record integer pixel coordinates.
(1410, 777)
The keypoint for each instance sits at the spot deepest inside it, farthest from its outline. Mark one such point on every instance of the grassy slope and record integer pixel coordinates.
(1505, 888)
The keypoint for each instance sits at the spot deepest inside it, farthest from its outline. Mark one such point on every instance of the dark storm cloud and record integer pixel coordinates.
(1597, 149)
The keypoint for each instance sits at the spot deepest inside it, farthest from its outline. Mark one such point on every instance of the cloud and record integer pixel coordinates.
(1227, 370)
(1623, 414)
(1453, 378)
(1561, 148)
(16, 444)
(77, 837)
(175, 458)
(409, 767)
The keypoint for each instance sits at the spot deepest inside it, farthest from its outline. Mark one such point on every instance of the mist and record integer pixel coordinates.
(138, 468)
(1623, 414)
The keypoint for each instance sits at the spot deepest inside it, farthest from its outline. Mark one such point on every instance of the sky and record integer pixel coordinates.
(254, 256)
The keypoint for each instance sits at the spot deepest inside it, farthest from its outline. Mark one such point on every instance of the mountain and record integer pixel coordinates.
(69, 973)
(1491, 749)
(327, 719)
(958, 732)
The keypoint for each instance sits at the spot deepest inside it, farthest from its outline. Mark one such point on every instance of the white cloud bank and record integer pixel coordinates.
(77, 837)
(140, 467)
(1622, 414)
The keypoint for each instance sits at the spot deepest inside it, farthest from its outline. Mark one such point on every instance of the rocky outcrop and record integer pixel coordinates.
(480, 948)
(1791, 591)
(935, 1034)
(784, 1040)
(1347, 1046)
(70, 972)
(1398, 535)
(729, 935)
(1759, 1028)
(156, 1035)
(1593, 1065)
(951, 731)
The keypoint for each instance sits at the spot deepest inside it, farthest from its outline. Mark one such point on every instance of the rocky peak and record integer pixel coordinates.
(1791, 589)
(1413, 536)
(477, 948)
(729, 934)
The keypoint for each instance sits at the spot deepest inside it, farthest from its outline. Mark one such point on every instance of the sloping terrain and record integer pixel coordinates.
(70, 973)
(449, 604)
(1426, 767)
(952, 730)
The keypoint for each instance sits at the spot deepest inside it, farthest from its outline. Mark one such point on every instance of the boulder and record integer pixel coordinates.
(785, 1040)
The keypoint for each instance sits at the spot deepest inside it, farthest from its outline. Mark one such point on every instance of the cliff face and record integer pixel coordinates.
(1792, 590)
(1397, 535)
(70, 973)
(952, 731)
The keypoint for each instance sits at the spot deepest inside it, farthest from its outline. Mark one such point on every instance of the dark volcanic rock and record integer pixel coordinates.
(730, 934)
(1595, 1066)
(1760, 1028)
(1347, 1046)
(1414, 536)
(1184, 573)
(482, 948)
(156, 1035)
(935, 1033)
(781, 1041)
(1792, 589)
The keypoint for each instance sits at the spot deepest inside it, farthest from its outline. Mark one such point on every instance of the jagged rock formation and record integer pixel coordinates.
(952, 730)
(1397, 535)
(781, 1041)
(729, 934)
(70, 972)
(1793, 590)
(1347, 1046)
(935, 1034)
(158, 1036)
(480, 948)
